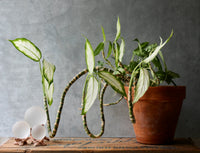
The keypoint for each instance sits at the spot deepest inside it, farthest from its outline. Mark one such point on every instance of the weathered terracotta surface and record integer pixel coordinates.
(157, 113)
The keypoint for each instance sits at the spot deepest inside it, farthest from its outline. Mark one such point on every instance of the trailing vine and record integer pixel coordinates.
(147, 67)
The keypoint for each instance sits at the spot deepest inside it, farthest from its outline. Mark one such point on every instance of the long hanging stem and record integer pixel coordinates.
(53, 133)
(130, 104)
(114, 103)
(102, 116)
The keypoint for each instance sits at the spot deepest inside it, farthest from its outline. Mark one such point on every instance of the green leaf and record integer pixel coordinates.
(170, 76)
(48, 90)
(151, 47)
(121, 50)
(162, 58)
(140, 50)
(90, 93)
(161, 75)
(118, 30)
(104, 36)
(89, 56)
(132, 65)
(99, 48)
(119, 70)
(48, 71)
(26, 47)
(116, 54)
(116, 84)
(142, 84)
(100, 63)
(173, 75)
(156, 51)
(109, 49)
(156, 62)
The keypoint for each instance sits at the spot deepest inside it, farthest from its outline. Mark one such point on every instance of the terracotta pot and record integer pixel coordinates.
(157, 113)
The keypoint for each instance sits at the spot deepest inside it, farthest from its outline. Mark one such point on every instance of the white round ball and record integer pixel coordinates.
(35, 116)
(38, 132)
(21, 129)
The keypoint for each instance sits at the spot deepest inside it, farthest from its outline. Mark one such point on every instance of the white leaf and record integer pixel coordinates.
(26, 47)
(121, 50)
(142, 84)
(156, 51)
(91, 93)
(89, 56)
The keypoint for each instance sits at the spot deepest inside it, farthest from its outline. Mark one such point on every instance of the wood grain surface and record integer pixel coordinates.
(111, 145)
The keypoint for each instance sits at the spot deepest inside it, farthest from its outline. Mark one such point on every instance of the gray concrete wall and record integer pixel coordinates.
(56, 27)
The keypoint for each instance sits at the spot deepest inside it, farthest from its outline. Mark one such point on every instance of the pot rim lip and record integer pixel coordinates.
(164, 86)
(178, 92)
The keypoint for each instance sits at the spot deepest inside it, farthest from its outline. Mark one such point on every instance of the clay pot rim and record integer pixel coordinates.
(164, 86)
(164, 93)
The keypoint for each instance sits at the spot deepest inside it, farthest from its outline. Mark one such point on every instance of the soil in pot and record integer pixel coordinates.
(157, 114)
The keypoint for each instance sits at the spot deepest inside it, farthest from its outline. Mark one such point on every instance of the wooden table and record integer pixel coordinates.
(111, 145)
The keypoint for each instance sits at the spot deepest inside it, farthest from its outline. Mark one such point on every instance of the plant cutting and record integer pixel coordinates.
(134, 81)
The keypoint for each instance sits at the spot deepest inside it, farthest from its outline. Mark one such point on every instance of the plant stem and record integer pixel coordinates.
(114, 103)
(130, 104)
(154, 75)
(56, 124)
(109, 63)
(173, 83)
(102, 117)
(53, 133)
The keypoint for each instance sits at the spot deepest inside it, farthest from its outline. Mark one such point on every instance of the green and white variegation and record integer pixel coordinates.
(158, 48)
(90, 93)
(26, 47)
(48, 90)
(48, 71)
(118, 30)
(142, 84)
(116, 84)
(89, 56)
(121, 50)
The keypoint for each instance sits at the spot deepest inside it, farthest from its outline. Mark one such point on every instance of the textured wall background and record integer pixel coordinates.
(55, 26)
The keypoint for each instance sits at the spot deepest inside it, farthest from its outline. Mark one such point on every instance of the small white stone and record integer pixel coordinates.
(21, 129)
(38, 132)
(35, 116)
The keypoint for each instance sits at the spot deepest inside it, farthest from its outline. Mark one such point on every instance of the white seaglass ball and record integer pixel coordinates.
(38, 132)
(35, 115)
(21, 129)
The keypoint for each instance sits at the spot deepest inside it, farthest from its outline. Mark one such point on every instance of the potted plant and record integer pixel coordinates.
(138, 82)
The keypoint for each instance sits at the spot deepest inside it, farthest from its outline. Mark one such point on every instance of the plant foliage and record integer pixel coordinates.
(30, 50)
(147, 67)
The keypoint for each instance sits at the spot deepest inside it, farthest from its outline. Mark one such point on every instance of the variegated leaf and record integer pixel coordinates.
(115, 83)
(48, 71)
(142, 84)
(156, 51)
(26, 47)
(90, 93)
(89, 56)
